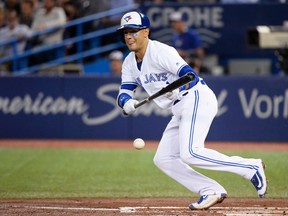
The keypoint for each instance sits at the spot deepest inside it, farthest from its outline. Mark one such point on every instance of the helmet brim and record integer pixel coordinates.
(131, 26)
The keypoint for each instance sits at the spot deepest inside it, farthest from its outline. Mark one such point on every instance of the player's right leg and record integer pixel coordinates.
(193, 131)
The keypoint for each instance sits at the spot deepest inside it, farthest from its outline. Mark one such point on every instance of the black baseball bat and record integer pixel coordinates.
(172, 86)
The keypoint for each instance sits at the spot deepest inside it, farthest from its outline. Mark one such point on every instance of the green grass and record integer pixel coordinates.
(71, 173)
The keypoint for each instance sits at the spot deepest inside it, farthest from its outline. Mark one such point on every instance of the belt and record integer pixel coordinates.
(176, 101)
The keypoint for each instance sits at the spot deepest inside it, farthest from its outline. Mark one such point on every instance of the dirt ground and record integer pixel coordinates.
(144, 206)
(138, 206)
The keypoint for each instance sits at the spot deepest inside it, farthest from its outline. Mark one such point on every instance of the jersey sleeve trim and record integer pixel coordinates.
(128, 86)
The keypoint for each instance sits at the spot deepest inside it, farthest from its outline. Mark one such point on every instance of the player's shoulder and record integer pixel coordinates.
(129, 60)
(159, 44)
(130, 57)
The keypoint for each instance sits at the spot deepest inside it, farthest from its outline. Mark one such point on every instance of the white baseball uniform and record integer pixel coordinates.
(182, 143)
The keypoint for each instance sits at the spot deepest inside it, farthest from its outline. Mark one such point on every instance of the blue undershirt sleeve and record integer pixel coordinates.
(187, 69)
(122, 99)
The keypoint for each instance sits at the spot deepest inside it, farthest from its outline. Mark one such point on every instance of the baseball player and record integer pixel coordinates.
(153, 65)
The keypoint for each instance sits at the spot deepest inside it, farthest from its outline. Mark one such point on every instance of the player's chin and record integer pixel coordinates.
(131, 46)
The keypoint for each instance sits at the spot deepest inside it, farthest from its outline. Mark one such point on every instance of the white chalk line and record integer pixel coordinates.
(229, 211)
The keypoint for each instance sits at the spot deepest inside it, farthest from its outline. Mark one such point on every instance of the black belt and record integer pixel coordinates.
(176, 101)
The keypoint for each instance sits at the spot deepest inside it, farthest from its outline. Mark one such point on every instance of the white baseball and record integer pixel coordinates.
(138, 143)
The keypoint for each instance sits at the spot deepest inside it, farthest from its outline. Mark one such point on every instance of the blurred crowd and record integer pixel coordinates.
(20, 18)
(211, 1)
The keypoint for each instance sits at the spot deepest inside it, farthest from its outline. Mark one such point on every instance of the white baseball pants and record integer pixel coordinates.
(182, 145)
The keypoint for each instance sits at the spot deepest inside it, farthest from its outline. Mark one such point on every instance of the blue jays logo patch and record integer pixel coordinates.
(127, 18)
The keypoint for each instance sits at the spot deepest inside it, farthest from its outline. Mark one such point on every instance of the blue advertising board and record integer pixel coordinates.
(222, 27)
(250, 109)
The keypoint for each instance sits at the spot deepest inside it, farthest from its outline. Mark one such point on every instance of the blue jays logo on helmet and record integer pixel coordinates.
(127, 18)
(134, 20)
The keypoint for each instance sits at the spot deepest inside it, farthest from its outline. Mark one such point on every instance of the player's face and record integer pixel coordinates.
(134, 38)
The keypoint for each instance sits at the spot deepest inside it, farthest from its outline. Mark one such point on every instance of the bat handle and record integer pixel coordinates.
(141, 103)
(138, 104)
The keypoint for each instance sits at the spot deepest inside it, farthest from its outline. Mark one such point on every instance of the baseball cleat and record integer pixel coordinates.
(206, 201)
(259, 181)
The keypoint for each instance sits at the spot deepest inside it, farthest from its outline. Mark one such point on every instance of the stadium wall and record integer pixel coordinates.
(67, 107)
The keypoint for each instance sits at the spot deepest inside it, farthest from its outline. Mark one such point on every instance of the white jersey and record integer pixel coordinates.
(160, 66)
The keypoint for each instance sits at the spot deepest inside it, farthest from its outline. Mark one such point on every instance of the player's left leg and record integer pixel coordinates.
(167, 159)
(194, 128)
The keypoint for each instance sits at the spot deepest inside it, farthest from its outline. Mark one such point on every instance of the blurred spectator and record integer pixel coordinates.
(14, 30)
(61, 3)
(147, 2)
(89, 7)
(71, 10)
(197, 1)
(49, 16)
(27, 11)
(2, 16)
(239, 1)
(251, 1)
(115, 62)
(157, 1)
(187, 42)
(13, 5)
(37, 4)
(86, 8)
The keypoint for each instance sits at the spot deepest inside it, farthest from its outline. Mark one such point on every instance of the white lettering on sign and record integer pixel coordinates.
(221, 99)
(261, 105)
(207, 21)
(47, 105)
(264, 106)
(42, 105)
(103, 95)
(210, 17)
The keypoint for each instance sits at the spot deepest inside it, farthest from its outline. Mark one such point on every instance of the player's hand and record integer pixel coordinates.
(129, 106)
(174, 95)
